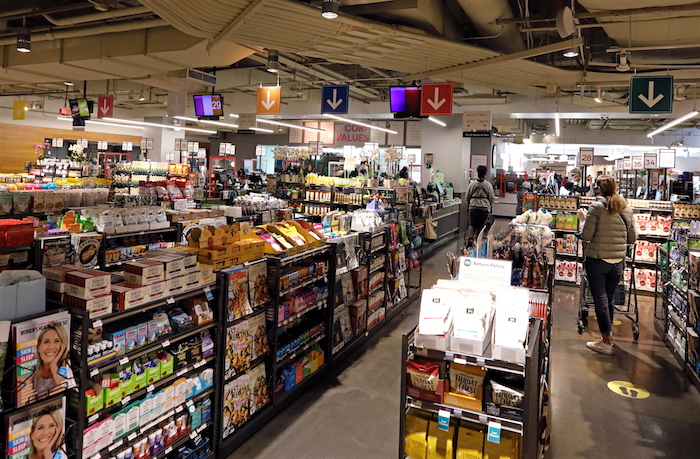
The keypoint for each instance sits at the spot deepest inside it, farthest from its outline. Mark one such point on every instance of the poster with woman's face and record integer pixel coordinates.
(42, 358)
(38, 431)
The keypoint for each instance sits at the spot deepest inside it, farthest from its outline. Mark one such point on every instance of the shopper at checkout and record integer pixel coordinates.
(608, 228)
(479, 201)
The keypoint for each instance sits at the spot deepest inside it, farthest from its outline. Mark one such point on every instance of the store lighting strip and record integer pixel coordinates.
(213, 123)
(290, 125)
(64, 118)
(168, 126)
(359, 123)
(557, 125)
(670, 124)
(437, 121)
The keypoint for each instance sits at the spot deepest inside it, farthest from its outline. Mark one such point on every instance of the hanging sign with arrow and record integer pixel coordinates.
(651, 94)
(105, 107)
(268, 100)
(436, 99)
(334, 99)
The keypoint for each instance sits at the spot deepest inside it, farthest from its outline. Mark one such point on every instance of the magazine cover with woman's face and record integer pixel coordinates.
(42, 358)
(38, 431)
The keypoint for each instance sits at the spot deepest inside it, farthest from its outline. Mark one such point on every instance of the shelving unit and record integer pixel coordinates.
(77, 400)
(118, 241)
(534, 383)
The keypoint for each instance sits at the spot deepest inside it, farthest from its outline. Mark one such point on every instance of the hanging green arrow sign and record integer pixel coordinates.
(651, 94)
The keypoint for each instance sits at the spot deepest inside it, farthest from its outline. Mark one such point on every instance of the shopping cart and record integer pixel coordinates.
(625, 293)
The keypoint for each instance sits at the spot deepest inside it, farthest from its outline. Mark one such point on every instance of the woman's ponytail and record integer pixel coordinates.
(608, 188)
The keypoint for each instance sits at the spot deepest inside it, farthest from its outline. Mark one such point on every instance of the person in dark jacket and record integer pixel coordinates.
(479, 201)
(609, 226)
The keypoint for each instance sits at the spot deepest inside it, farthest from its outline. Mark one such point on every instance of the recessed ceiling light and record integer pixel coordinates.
(330, 8)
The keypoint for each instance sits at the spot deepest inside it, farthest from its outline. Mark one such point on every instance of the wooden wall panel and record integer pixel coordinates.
(16, 142)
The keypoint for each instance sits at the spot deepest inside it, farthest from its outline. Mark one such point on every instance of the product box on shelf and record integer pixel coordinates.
(425, 379)
(16, 232)
(471, 346)
(503, 401)
(173, 265)
(94, 398)
(127, 296)
(157, 291)
(96, 307)
(87, 284)
(470, 441)
(436, 342)
(87, 249)
(466, 387)
(144, 272)
(441, 442)
(358, 316)
(176, 286)
(416, 435)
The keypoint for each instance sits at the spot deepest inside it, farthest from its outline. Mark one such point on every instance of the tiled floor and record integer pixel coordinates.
(354, 411)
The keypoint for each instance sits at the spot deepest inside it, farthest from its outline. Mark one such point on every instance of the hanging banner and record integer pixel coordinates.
(398, 138)
(328, 136)
(413, 133)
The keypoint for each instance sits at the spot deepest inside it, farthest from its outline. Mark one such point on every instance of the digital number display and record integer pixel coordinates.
(208, 105)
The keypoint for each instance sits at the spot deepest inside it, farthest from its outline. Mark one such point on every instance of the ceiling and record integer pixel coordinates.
(496, 52)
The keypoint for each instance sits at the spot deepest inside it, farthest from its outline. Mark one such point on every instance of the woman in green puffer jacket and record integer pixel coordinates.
(609, 227)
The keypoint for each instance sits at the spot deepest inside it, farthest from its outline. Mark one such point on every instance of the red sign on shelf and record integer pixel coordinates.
(436, 99)
(105, 107)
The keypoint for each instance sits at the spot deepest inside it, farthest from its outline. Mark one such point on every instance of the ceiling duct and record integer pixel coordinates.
(484, 13)
(194, 76)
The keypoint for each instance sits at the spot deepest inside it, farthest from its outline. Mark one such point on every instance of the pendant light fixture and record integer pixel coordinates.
(330, 8)
(273, 61)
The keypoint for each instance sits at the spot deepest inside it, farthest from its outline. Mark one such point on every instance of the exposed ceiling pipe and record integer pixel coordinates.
(484, 14)
(112, 14)
(88, 31)
(29, 12)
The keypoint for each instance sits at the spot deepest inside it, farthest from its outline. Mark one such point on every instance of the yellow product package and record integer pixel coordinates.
(506, 449)
(440, 443)
(416, 435)
(470, 442)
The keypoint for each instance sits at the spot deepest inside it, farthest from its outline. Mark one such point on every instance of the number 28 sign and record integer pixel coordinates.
(585, 156)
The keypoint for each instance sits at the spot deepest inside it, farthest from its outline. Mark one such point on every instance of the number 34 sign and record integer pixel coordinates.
(585, 156)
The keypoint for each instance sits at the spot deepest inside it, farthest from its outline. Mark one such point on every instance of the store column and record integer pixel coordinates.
(163, 140)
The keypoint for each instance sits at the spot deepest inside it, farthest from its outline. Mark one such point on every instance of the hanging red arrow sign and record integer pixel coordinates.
(436, 99)
(105, 107)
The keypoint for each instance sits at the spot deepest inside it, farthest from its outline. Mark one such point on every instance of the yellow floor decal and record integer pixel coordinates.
(627, 389)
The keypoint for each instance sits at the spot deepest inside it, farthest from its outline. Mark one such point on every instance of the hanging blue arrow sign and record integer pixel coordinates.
(335, 98)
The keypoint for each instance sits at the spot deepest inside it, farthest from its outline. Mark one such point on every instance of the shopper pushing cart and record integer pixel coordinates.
(608, 229)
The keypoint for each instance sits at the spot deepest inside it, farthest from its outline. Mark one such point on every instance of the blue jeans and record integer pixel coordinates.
(603, 279)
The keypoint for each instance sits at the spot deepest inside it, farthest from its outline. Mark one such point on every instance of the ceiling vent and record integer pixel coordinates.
(194, 75)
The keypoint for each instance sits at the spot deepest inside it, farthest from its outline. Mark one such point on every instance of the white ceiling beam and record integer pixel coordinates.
(254, 6)
(500, 59)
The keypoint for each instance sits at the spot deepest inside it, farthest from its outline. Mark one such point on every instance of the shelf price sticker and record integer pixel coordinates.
(150, 388)
(444, 420)
(132, 436)
(97, 323)
(209, 295)
(494, 432)
(126, 400)
(94, 372)
(93, 418)
(170, 300)
(166, 343)
(123, 360)
(168, 450)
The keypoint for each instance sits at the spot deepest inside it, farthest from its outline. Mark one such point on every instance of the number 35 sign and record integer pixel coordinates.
(585, 156)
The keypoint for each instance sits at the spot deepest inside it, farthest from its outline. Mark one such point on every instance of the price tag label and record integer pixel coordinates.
(483, 419)
(651, 161)
(208, 294)
(182, 371)
(201, 428)
(116, 445)
(480, 361)
(449, 355)
(96, 456)
(166, 343)
(494, 432)
(93, 418)
(199, 364)
(132, 436)
(94, 372)
(457, 413)
(189, 403)
(97, 323)
(179, 409)
(192, 435)
(444, 420)
(170, 300)
(150, 388)
(422, 351)
(123, 360)
(126, 400)
(168, 450)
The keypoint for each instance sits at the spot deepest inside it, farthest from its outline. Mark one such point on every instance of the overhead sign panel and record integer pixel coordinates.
(651, 94)
(105, 107)
(436, 99)
(269, 100)
(585, 156)
(335, 99)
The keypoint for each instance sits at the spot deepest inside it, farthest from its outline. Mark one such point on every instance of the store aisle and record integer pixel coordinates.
(589, 420)
(354, 411)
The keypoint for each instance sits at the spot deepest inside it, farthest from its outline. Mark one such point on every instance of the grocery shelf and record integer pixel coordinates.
(302, 284)
(302, 255)
(465, 359)
(140, 233)
(319, 305)
(693, 376)
(153, 387)
(138, 310)
(163, 342)
(678, 353)
(15, 248)
(478, 417)
(300, 350)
